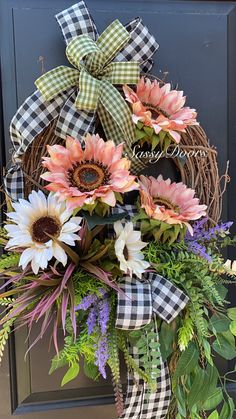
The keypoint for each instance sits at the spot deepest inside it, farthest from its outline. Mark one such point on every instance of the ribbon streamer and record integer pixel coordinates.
(142, 301)
(36, 113)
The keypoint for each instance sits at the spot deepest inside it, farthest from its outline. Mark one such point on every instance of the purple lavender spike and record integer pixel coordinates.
(102, 355)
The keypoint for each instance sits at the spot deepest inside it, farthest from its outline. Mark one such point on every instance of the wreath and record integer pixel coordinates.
(123, 263)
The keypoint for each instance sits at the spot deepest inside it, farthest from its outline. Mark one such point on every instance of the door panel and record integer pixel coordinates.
(197, 49)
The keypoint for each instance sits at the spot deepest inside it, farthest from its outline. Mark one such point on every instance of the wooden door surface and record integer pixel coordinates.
(198, 49)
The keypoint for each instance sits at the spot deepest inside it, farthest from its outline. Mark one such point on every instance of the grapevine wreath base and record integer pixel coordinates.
(199, 171)
(123, 264)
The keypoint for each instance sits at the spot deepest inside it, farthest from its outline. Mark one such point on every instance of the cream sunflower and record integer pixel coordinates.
(128, 246)
(36, 222)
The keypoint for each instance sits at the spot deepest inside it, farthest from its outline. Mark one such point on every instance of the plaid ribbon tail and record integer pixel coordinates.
(133, 312)
(30, 120)
(76, 20)
(167, 299)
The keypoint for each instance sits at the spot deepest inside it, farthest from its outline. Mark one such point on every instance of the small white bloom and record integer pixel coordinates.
(34, 225)
(128, 246)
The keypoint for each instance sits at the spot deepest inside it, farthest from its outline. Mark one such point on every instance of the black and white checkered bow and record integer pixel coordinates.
(36, 114)
(142, 301)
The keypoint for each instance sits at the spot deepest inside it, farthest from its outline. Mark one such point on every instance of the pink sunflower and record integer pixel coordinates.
(160, 107)
(87, 176)
(171, 203)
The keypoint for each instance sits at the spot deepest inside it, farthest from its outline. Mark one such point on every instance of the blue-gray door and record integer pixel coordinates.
(198, 49)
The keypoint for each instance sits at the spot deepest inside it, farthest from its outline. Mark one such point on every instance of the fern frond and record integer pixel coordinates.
(4, 336)
(9, 261)
(6, 301)
(114, 364)
(3, 233)
(129, 360)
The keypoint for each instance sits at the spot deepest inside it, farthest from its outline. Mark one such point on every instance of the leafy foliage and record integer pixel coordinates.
(204, 326)
(9, 261)
(114, 364)
(147, 345)
(4, 336)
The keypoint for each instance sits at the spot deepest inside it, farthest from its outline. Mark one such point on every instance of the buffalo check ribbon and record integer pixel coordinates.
(73, 97)
(143, 301)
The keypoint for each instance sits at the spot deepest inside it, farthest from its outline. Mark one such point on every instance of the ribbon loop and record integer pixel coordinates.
(79, 48)
(59, 99)
(57, 81)
(90, 59)
(113, 40)
(134, 310)
(76, 20)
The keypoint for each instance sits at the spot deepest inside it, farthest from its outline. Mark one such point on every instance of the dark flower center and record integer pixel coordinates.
(44, 228)
(126, 252)
(161, 201)
(88, 175)
(155, 110)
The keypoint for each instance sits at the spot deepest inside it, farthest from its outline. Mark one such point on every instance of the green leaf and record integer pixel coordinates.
(166, 340)
(213, 400)
(224, 414)
(57, 363)
(211, 379)
(91, 370)
(181, 401)
(233, 327)
(94, 220)
(225, 345)
(140, 125)
(207, 351)
(187, 361)
(139, 134)
(232, 313)
(149, 131)
(222, 290)
(155, 141)
(214, 415)
(197, 389)
(227, 411)
(72, 373)
(220, 323)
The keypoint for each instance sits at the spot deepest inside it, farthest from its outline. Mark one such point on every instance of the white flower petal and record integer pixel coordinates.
(70, 227)
(39, 202)
(12, 229)
(69, 238)
(118, 227)
(21, 240)
(59, 254)
(127, 238)
(27, 212)
(26, 257)
(35, 267)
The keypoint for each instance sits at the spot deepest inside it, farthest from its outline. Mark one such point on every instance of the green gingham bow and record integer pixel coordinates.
(95, 74)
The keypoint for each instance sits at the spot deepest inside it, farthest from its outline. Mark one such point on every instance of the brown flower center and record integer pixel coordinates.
(44, 228)
(161, 201)
(88, 175)
(126, 252)
(155, 110)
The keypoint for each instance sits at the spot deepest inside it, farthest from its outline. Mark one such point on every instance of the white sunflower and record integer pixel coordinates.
(35, 223)
(128, 246)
